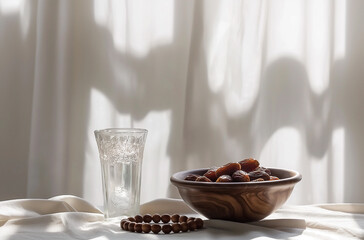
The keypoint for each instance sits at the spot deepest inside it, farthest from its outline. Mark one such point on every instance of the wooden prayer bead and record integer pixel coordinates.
(126, 226)
(165, 218)
(184, 227)
(183, 219)
(176, 227)
(166, 228)
(146, 227)
(175, 218)
(138, 227)
(156, 228)
(131, 226)
(122, 223)
(191, 225)
(138, 219)
(147, 218)
(180, 223)
(199, 223)
(156, 218)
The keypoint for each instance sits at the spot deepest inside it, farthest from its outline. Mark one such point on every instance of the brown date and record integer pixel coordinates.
(264, 170)
(248, 165)
(191, 177)
(240, 176)
(228, 169)
(211, 174)
(258, 180)
(224, 178)
(272, 178)
(258, 174)
(203, 179)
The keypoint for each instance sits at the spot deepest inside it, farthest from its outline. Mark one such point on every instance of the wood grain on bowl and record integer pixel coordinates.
(236, 201)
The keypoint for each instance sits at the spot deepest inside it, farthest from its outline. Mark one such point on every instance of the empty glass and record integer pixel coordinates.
(121, 155)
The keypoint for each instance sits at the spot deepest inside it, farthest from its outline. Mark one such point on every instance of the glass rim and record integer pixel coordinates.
(120, 130)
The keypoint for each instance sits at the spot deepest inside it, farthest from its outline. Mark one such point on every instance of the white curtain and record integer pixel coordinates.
(212, 81)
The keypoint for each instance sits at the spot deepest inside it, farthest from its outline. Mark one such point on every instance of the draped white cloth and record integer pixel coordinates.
(69, 217)
(212, 81)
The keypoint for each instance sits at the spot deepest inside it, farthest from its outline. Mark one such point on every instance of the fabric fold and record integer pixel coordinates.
(71, 217)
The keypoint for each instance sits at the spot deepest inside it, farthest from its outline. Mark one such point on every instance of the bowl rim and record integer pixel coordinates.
(180, 182)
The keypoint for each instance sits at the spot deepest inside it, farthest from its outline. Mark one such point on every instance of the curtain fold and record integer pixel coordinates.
(212, 81)
(48, 156)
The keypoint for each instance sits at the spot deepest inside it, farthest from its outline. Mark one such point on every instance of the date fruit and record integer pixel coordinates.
(240, 176)
(228, 169)
(247, 170)
(211, 174)
(258, 174)
(191, 177)
(264, 170)
(258, 180)
(224, 178)
(272, 178)
(203, 179)
(248, 165)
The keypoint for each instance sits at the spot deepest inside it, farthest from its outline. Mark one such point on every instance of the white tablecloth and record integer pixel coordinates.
(70, 217)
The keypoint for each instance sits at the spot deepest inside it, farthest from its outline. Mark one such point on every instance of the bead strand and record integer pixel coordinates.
(143, 224)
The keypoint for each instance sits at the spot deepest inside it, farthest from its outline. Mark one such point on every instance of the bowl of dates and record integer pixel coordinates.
(241, 191)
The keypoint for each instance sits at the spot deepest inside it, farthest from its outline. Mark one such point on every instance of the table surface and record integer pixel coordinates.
(70, 217)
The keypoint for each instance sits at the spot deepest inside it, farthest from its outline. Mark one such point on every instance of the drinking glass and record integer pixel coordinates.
(121, 155)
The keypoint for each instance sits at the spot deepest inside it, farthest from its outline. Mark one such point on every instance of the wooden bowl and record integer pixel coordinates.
(236, 201)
